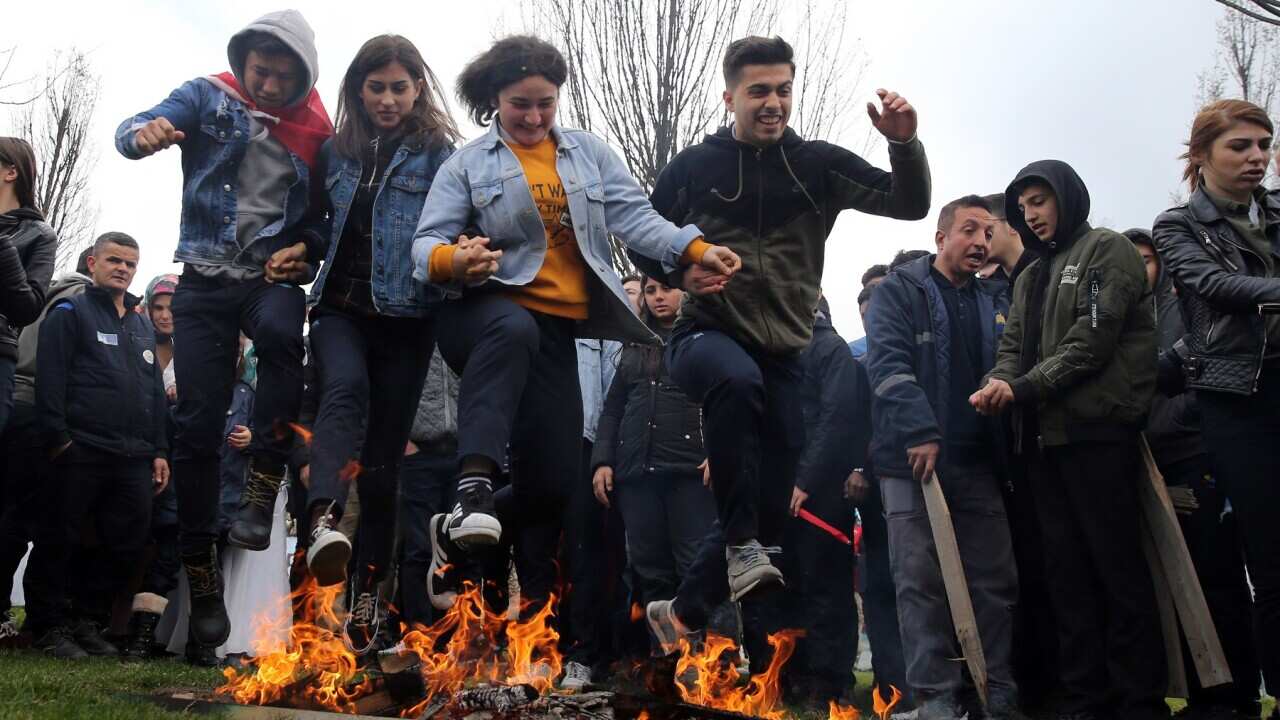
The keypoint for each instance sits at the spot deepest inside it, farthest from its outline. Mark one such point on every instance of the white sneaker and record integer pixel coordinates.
(667, 628)
(576, 676)
(328, 554)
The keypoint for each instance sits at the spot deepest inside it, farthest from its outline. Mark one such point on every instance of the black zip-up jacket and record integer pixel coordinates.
(1221, 283)
(775, 207)
(648, 426)
(836, 399)
(27, 249)
(97, 382)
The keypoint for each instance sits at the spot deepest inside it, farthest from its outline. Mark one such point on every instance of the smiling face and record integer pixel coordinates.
(1039, 206)
(527, 109)
(963, 248)
(761, 103)
(663, 302)
(271, 80)
(113, 267)
(161, 314)
(1237, 161)
(388, 95)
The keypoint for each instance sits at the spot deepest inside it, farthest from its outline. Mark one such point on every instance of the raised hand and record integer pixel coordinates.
(895, 119)
(156, 136)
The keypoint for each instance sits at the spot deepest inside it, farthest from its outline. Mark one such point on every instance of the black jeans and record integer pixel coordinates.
(1035, 635)
(754, 428)
(519, 390)
(370, 373)
(880, 600)
(114, 493)
(820, 593)
(7, 367)
(1109, 639)
(1214, 543)
(26, 482)
(427, 485)
(209, 316)
(1243, 435)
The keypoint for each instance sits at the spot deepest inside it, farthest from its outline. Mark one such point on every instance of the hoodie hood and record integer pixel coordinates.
(1141, 236)
(1073, 204)
(822, 318)
(290, 28)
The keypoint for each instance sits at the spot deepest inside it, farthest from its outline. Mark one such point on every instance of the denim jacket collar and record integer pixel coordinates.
(493, 138)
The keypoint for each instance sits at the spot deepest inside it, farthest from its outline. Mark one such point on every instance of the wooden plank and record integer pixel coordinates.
(1180, 576)
(953, 578)
(1168, 617)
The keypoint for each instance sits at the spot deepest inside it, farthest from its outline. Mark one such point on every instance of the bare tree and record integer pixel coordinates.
(1247, 64)
(1267, 11)
(645, 74)
(58, 126)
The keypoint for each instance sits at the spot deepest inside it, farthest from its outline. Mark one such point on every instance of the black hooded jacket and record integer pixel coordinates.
(836, 398)
(1079, 347)
(27, 250)
(1173, 428)
(774, 207)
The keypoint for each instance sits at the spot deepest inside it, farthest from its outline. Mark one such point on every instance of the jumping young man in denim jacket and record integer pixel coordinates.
(249, 140)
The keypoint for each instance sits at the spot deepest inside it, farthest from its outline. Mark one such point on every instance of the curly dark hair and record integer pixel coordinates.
(508, 61)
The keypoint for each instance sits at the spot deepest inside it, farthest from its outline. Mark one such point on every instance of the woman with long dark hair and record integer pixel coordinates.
(372, 326)
(1222, 248)
(535, 205)
(27, 249)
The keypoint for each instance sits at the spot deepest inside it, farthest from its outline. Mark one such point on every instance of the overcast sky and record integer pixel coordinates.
(1106, 86)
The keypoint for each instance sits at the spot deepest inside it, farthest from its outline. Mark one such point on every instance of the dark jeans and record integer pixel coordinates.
(1109, 640)
(7, 367)
(370, 373)
(1243, 435)
(595, 555)
(753, 428)
(820, 593)
(880, 600)
(114, 493)
(986, 552)
(1214, 543)
(209, 316)
(24, 504)
(666, 518)
(426, 487)
(1035, 634)
(520, 389)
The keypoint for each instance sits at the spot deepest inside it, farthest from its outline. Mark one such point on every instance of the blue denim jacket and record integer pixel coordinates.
(216, 126)
(597, 364)
(395, 218)
(483, 184)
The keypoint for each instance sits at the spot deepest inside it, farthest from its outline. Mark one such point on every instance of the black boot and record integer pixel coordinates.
(58, 642)
(251, 528)
(142, 636)
(210, 625)
(88, 635)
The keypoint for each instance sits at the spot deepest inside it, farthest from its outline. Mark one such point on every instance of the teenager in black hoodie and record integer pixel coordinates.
(772, 197)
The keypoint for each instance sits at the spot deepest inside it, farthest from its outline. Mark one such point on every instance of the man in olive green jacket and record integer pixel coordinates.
(1076, 366)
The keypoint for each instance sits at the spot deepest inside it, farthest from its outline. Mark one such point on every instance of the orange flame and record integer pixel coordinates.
(303, 432)
(710, 677)
(637, 614)
(465, 646)
(881, 708)
(644, 715)
(350, 471)
(836, 711)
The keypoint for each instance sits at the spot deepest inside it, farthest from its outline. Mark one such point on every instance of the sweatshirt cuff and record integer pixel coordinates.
(693, 254)
(1024, 390)
(440, 264)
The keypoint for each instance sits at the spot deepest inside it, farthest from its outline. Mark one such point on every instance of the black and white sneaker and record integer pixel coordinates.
(360, 630)
(474, 521)
(749, 569)
(8, 627)
(328, 552)
(444, 578)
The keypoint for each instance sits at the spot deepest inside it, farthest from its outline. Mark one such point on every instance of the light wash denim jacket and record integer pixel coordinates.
(484, 185)
(217, 135)
(597, 364)
(395, 218)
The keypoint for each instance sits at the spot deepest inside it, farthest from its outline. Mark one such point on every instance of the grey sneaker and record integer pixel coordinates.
(576, 676)
(328, 553)
(667, 628)
(749, 569)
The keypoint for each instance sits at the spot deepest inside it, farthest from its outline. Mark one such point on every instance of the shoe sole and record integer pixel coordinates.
(764, 581)
(444, 600)
(235, 541)
(669, 643)
(479, 531)
(327, 559)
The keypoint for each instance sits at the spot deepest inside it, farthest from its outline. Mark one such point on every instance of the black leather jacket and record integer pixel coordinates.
(27, 249)
(1222, 284)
